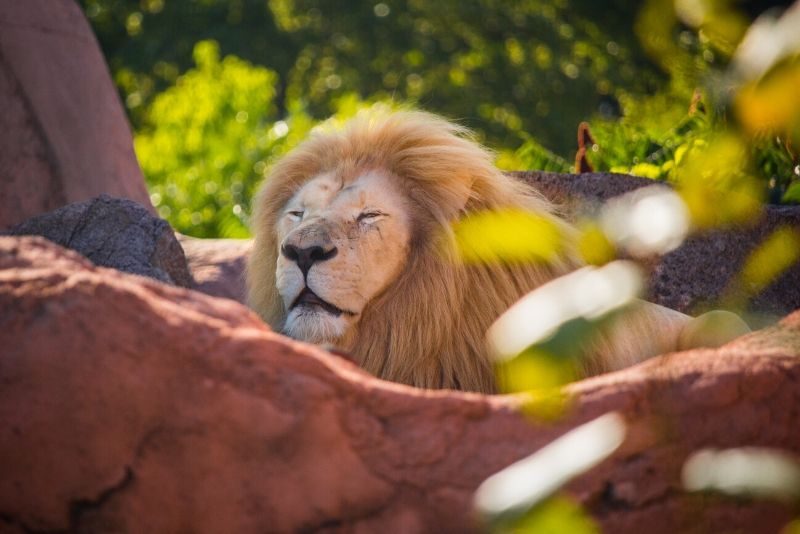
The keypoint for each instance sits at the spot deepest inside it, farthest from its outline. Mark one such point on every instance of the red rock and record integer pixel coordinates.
(129, 405)
(218, 265)
(63, 133)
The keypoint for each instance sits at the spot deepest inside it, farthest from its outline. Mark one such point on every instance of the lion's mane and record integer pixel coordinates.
(427, 329)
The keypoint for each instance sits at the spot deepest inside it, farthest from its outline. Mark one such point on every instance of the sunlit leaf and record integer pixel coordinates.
(557, 515)
(572, 303)
(792, 193)
(507, 236)
(536, 369)
(793, 527)
(594, 246)
(777, 253)
(716, 184)
(512, 492)
(647, 170)
(546, 404)
(647, 221)
(719, 21)
(744, 471)
(654, 26)
(771, 104)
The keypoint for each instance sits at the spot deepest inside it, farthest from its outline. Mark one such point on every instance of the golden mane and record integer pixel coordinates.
(427, 329)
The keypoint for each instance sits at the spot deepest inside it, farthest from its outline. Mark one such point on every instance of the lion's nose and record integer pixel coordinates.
(308, 256)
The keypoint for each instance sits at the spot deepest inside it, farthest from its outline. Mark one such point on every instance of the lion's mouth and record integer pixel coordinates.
(309, 298)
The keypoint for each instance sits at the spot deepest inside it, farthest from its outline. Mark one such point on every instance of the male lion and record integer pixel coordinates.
(354, 247)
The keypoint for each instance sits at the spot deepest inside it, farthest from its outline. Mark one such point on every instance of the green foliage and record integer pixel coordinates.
(505, 68)
(206, 142)
(707, 97)
(524, 74)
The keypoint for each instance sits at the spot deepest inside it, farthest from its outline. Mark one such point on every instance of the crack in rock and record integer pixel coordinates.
(77, 508)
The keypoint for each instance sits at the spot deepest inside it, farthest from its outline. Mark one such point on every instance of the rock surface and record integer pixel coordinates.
(569, 189)
(127, 405)
(218, 265)
(116, 233)
(63, 133)
(705, 265)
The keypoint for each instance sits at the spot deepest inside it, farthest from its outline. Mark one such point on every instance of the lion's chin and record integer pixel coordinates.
(315, 325)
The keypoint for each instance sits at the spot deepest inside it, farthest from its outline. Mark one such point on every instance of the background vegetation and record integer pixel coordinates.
(216, 89)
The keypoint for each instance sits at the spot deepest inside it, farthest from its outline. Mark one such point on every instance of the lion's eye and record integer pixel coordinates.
(369, 216)
(295, 215)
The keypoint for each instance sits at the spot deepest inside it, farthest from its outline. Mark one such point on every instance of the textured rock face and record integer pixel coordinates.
(63, 133)
(127, 405)
(705, 265)
(218, 265)
(566, 189)
(117, 233)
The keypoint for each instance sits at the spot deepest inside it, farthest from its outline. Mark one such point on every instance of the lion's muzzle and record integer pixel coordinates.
(305, 257)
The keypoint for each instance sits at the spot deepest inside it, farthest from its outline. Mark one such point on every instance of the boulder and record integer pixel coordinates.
(706, 265)
(218, 265)
(128, 405)
(117, 233)
(699, 272)
(63, 133)
(574, 191)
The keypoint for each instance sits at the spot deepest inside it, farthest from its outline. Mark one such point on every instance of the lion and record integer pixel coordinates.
(354, 247)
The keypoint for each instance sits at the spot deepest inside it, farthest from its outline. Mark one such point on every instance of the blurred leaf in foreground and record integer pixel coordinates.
(753, 471)
(510, 236)
(721, 24)
(771, 105)
(793, 192)
(647, 221)
(768, 41)
(792, 528)
(512, 493)
(715, 182)
(777, 253)
(539, 342)
(594, 246)
(557, 515)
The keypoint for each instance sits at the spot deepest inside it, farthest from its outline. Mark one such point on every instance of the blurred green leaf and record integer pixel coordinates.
(521, 494)
(510, 236)
(558, 515)
(792, 193)
(716, 184)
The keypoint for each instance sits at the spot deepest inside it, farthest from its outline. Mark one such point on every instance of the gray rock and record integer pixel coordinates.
(116, 233)
(706, 265)
(586, 187)
(693, 277)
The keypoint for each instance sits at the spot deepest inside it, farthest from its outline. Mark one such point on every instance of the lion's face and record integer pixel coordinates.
(340, 245)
